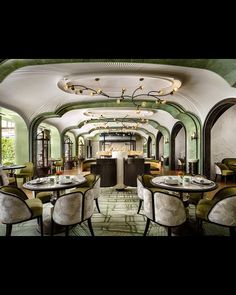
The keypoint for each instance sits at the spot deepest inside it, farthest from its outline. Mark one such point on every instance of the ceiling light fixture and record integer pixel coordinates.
(76, 88)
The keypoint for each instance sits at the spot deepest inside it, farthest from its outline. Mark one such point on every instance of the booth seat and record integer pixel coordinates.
(155, 166)
(230, 163)
(86, 164)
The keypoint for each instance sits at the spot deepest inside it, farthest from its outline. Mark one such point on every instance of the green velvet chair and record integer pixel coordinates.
(221, 210)
(15, 208)
(26, 173)
(223, 170)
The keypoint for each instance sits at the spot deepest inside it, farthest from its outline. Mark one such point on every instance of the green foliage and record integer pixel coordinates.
(8, 150)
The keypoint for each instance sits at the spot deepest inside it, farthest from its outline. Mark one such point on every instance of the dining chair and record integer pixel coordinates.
(15, 208)
(27, 172)
(164, 209)
(72, 209)
(223, 170)
(220, 210)
(92, 181)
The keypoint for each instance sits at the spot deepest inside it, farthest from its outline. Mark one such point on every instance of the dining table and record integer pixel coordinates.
(58, 185)
(183, 186)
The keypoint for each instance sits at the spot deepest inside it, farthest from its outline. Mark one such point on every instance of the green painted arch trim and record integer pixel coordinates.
(223, 67)
(175, 110)
(103, 130)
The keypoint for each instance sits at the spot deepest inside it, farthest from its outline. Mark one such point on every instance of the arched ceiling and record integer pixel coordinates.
(30, 87)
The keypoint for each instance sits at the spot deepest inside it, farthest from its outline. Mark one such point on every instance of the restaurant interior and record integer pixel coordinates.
(117, 148)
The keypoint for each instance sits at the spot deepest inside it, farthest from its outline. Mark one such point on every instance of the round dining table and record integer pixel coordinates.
(196, 184)
(58, 185)
(12, 168)
(177, 184)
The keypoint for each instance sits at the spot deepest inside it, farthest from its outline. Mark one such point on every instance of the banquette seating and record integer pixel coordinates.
(155, 166)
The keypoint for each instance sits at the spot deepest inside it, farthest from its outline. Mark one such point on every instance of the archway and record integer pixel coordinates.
(149, 147)
(159, 145)
(214, 114)
(178, 144)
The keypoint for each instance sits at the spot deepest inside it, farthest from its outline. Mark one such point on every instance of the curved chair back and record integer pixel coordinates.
(3, 178)
(68, 209)
(13, 209)
(96, 188)
(16, 207)
(220, 210)
(163, 209)
(224, 212)
(140, 187)
(72, 209)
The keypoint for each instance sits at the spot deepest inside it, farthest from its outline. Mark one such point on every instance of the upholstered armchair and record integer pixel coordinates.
(164, 209)
(181, 164)
(140, 191)
(220, 210)
(144, 181)
(72, 209)
(16, 208)
(223, 170)
(92, 181)
(27, 172)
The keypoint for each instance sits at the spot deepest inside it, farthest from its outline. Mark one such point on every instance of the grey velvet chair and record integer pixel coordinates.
(164, 209)
(221, 210)
(15, 208)
(140, 191)
(72, 209)
(92, 181)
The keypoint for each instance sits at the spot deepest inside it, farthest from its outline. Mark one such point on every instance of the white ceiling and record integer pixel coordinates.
(33, 90)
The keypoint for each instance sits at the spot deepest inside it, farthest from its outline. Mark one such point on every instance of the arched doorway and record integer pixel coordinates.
(215, 113)
(159, 145)
(149, 147)
(178, 144)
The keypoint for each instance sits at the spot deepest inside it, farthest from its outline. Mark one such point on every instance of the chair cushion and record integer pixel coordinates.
(36, 206)
(80, 189)
(147, 180)
(45, 197)
(15, 191)
(90, 178)
(203, 208)
(222, 166)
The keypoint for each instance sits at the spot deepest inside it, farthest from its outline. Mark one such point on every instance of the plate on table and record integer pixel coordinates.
(66, 182)
(171, 181)
(36, 181)
(203, 181)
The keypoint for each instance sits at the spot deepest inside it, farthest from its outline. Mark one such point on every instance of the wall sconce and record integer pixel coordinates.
(194, 135)
(167, 140)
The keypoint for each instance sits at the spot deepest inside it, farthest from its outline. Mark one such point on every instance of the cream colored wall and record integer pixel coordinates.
(223, 138)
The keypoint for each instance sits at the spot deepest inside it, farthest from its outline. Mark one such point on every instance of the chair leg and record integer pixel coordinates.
(40, 222)
(147, 226)
(140, 205)
(8, 230)
(169, 231)
(90, 226)
(67, 231)
(96, 201)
